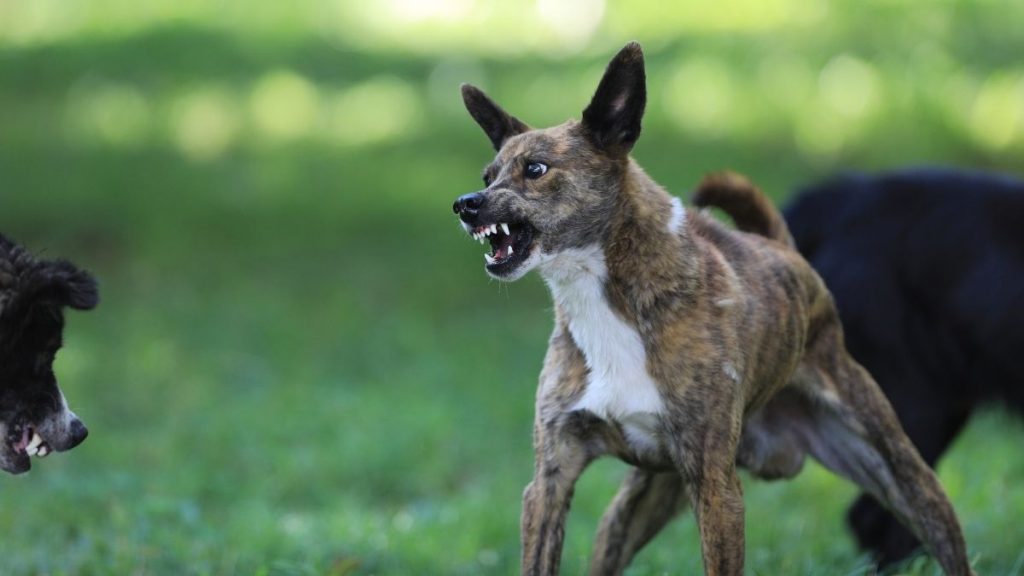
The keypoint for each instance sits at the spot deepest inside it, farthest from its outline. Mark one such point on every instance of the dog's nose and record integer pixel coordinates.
(468, 204)
(78, 432)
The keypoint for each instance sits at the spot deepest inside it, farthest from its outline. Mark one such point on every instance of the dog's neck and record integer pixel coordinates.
(651, 252)
(647, 258)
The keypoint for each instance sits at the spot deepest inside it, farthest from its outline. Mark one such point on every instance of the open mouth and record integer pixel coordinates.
(510, 245)
(24, 440)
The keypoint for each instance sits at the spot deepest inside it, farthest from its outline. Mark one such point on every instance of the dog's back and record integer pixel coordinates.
(927, 270)
(929, 263)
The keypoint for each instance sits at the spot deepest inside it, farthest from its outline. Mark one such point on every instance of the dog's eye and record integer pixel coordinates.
(535, 170)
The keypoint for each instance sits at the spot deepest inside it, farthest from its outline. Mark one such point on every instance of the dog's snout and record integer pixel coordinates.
(77, 433)
(468, 204)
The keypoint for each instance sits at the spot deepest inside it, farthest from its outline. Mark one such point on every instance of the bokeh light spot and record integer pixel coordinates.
(284, 105)
(850, 86)
(116, 114)
(699, 97)
(573, 21)
(205, 123)
(998, 111)
(377, 110)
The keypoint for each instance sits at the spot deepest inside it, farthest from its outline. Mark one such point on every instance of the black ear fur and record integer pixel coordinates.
(612, 120)
(61, 283)
(497, 124)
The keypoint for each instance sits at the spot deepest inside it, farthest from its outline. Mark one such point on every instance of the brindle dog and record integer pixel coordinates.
(680, 346)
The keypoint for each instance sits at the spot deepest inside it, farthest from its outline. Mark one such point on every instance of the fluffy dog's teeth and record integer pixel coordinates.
(43, 452)
(494, 228)
(509, 251)
(487, 257)
(31, 450)
(36, 441)
(504, 228)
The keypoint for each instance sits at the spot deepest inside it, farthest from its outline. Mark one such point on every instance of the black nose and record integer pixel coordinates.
(78, 433)
(468, 204)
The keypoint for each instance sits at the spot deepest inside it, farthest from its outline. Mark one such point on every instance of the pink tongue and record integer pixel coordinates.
(502, 251)
(24, 439)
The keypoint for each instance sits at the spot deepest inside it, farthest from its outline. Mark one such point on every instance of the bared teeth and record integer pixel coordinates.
(509, 251)
(504, 228)
(33, 445)
(489, 259)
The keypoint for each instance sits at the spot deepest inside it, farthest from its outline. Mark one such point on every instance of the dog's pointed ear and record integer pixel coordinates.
(497, 124)
(612, 120)
(60, 282)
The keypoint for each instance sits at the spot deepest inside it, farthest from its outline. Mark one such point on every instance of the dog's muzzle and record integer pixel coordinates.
(468, 207)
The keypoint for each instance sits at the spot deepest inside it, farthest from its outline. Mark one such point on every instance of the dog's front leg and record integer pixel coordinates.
(704, 449)
(561, 458)
(564, 443)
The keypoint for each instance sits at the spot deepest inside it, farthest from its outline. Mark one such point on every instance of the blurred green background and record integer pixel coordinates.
(299, 366)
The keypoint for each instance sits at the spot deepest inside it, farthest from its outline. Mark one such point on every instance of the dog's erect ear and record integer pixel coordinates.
(497, 124)
(61, 283)
(612, 120)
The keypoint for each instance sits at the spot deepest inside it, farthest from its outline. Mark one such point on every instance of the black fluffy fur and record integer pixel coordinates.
(33, 296)
(927, 268)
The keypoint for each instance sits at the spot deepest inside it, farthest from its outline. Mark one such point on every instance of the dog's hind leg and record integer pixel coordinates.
(932, 433)
(645, 503)
(849, 426)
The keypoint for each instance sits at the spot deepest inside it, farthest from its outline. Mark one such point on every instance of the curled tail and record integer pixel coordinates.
(748, 207)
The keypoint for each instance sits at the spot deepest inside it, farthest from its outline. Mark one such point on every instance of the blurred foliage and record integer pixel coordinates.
(299, 366)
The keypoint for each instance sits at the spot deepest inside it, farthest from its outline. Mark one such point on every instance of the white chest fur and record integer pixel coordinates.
(619, 386)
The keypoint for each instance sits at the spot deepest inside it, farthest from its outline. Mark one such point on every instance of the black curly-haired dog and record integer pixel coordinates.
(34, 417)
(927, 268)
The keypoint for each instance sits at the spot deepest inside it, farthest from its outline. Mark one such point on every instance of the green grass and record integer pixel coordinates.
(299, 367)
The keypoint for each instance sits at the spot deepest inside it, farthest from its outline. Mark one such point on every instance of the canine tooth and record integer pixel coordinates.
(36, 441)
(494, 228)
(43, 452)
(504, 228)
(488, 258)
(509, 250)
(31, 450)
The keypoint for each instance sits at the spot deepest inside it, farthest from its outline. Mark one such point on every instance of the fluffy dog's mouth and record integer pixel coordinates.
(24, 440)
(511, 243)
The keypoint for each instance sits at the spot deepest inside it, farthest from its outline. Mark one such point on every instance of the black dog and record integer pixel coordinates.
(34, 417)
(927, 267)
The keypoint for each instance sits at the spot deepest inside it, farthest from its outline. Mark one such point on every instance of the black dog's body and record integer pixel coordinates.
(927, 269)
(34, 417)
